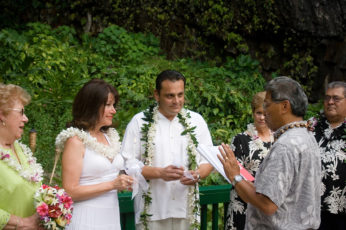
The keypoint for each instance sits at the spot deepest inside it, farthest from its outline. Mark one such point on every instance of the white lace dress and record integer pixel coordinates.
(101, 212)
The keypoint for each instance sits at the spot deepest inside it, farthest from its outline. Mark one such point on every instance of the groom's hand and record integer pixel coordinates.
(192, 179)
(171, 172)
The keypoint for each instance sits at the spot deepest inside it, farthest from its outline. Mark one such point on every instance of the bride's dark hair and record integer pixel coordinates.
(88, 103)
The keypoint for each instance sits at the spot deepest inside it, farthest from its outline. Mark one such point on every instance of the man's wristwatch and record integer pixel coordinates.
(237, 179)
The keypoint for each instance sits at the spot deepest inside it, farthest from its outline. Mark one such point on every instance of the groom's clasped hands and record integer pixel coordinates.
(172, 172)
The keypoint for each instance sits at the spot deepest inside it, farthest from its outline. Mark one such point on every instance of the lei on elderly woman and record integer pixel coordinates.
(20, 174)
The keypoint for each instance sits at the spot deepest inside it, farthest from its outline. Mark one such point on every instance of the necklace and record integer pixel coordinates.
(148, 131)
(283, 129)
(108, 151)
(252, 131)
(33, 173)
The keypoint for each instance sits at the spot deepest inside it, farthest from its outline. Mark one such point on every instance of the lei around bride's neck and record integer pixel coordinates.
(108, 151)
(99, 135)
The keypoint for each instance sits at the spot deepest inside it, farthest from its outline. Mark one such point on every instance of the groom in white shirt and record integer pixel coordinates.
(165, 138)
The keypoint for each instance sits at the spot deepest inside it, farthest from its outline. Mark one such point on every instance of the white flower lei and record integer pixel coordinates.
(193, 203)
(252, 131)
(151, 137)
(33, 173)
(108, 151)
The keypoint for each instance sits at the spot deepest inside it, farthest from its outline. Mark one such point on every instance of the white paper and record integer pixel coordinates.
(210, 154)
(187, 174)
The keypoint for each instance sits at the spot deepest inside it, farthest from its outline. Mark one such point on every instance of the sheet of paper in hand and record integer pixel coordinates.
(177, 163)
(210, 154)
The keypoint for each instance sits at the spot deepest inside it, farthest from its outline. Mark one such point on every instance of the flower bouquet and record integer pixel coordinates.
(54, 206)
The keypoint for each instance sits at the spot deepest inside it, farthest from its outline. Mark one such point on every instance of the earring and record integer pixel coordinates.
(3, 123)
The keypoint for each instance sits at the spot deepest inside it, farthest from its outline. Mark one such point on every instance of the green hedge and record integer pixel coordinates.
(53, 64)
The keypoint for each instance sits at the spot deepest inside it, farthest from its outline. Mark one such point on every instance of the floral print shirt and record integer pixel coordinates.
(332, 143)
(290, 176)
(249, 150)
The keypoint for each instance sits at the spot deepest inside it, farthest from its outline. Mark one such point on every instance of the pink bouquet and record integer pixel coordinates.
(54, 206)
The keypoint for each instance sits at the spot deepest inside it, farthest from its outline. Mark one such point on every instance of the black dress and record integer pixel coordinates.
(250, 151)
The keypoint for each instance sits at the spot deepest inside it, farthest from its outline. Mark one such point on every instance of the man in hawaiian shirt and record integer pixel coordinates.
(330, 133)
(286, 192)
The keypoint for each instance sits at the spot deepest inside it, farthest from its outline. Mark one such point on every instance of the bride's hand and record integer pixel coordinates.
(123, 182)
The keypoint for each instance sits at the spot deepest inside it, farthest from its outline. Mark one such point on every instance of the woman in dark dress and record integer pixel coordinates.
(250, 147)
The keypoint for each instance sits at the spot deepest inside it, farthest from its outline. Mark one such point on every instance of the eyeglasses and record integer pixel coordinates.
(336, 99)
(19, 110)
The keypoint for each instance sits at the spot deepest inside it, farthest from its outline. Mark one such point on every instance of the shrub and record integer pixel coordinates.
(115, 42)
(53, 65)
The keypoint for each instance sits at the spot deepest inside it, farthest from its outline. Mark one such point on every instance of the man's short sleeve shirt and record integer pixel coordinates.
(169, 198)
(290, 177)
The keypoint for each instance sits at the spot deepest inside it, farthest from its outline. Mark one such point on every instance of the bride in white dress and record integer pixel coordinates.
(91, 159)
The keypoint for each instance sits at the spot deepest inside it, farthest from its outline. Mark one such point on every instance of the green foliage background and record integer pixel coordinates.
(217, 37)
(53, 64)
(202, 30)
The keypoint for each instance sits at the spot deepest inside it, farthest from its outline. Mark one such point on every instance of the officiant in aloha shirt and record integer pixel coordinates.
(286, 192)
(164, 138)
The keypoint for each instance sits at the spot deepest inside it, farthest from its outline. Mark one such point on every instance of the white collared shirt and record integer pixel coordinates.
(169, 198)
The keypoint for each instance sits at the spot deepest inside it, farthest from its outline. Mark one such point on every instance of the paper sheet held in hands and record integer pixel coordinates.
(210, 154)
(186, 172)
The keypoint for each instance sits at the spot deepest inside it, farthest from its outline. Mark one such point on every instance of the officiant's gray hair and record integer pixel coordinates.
(171, 75)
(284, 88)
